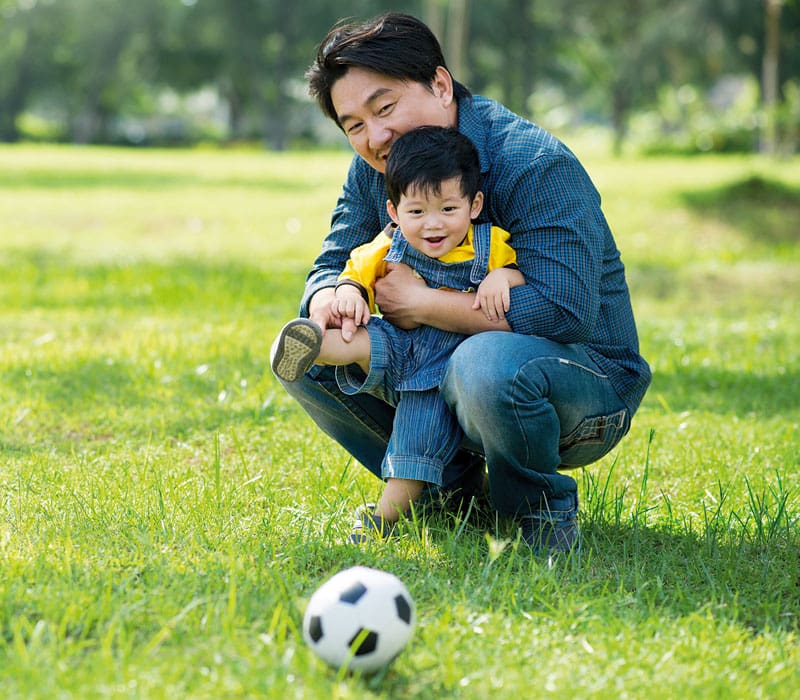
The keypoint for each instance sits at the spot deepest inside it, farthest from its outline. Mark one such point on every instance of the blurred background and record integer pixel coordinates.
(657, 76)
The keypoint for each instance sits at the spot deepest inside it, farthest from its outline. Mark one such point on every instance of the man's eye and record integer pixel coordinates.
(385, 109)
(355, 128)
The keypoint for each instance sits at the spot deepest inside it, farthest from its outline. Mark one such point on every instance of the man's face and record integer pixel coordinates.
(374, 110)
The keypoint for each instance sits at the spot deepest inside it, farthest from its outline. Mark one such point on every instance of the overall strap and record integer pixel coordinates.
(399, 245)
(482, 242)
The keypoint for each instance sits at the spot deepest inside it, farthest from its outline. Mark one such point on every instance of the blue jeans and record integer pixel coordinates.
(531, 406)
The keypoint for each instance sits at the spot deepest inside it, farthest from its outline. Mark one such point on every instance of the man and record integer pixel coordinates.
(555, 383)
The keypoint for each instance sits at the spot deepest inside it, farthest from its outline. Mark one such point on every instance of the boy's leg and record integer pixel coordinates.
(301, 344)
(335, 351)
(425, 438)
(397, 497)
(295, 349)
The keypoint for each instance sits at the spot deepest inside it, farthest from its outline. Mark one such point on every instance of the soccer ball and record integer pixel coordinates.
(360, 618)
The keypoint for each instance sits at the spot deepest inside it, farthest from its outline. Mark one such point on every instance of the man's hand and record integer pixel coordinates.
(319, 309)
(398, 295)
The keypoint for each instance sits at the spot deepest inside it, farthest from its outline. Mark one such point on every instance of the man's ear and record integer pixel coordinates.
(442, 85)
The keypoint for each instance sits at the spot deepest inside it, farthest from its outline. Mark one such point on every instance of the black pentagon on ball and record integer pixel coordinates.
(353, 594)
(403, 608)
(315, 628)
(368, 643)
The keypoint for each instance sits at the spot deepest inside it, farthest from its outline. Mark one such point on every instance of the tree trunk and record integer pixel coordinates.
(457, 39)
(769, 75)
(433, 15)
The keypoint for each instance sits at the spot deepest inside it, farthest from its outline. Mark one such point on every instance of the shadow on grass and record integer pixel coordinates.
(728, 392)
(44, 280)
(766, 210)
(748, 578)
(641, 559)
(93, 401)
(140, 180)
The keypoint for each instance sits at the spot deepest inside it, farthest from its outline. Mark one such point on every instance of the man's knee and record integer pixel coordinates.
(472, 369)
(496, 372)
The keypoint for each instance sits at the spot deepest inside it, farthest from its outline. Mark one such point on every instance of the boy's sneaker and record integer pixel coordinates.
(295, 349)
(546, 535)
(370, 527)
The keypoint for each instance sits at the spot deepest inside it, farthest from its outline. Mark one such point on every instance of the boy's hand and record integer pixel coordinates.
(350, 308)
(494, 295)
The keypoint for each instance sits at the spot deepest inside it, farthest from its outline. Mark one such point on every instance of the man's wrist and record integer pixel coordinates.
(321, 297)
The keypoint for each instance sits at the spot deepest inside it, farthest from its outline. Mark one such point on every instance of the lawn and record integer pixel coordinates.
(166, 511)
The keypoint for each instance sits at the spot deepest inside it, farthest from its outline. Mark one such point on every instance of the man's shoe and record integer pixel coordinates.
(295, 349)
(546, 536)
(370, 527)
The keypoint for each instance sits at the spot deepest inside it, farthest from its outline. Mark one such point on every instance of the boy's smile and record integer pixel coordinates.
(434, 223)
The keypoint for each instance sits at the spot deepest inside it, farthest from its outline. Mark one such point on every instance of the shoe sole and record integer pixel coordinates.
(296, 348)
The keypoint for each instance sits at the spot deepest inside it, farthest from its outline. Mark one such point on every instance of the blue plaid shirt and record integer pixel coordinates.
(536, 189)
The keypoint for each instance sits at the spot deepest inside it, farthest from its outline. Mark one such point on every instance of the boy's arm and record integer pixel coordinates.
(494, 296)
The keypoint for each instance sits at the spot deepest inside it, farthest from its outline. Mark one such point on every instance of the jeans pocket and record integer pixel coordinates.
(593, 438)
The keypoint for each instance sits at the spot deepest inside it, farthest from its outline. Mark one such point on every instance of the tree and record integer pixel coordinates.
(770, 73)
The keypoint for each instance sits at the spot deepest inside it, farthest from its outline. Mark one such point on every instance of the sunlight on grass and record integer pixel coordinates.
(167, 510)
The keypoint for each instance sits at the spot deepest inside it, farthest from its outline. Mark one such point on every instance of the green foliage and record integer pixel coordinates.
(166, 510)
(161, 73)
(686, 121)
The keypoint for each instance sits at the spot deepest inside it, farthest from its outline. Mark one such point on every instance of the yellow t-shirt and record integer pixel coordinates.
(366, 263)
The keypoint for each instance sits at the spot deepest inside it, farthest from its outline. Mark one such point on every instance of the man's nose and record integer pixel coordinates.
(378, 134)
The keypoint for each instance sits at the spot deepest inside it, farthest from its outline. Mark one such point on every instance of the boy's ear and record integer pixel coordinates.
(392, 211)
(477, 205)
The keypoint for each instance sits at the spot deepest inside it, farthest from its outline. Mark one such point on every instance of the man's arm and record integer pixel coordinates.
(557, 230)
(558, 233)
(354, 221)
(407, 302)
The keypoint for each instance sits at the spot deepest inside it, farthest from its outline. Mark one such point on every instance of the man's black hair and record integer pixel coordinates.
(394, 44)
(425, 157)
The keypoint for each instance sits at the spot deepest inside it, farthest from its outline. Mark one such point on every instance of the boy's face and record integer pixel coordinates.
(374, 110)
(434, 224)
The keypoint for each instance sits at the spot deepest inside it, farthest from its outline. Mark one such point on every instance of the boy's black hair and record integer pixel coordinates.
(394, 44)
(427, 156)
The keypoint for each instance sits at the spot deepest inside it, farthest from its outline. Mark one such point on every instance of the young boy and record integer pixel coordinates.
(433, 183)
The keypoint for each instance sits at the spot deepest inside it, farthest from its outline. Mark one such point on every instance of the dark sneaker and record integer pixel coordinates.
(295, 349)
(370, 527)
(546, 536)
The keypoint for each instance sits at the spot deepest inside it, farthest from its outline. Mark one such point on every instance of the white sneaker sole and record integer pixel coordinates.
(295, 349)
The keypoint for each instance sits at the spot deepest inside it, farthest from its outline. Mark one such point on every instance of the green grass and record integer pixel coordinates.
(166, 510)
